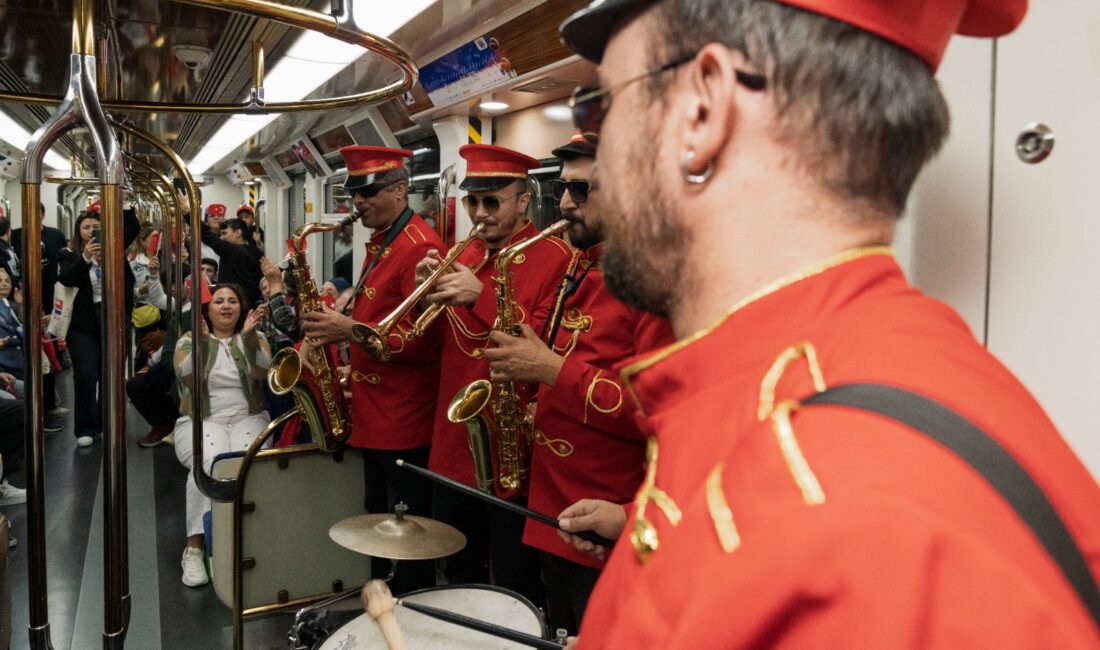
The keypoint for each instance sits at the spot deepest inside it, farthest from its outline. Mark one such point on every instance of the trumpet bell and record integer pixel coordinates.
(469, 401)
(286, 369)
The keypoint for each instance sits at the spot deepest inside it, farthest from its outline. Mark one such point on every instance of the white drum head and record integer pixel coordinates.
(423, 632)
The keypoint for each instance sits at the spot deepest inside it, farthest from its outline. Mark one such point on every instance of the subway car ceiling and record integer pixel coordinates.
(165, 51)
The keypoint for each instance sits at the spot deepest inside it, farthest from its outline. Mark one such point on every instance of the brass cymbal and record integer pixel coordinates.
(397, 537)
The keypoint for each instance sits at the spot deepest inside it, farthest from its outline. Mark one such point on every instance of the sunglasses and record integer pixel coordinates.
(591, 105)
(578, 190)
(490, 203)
(371, 191)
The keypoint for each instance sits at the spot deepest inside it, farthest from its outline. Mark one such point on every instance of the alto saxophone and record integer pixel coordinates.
(324, 382)
(500, 436)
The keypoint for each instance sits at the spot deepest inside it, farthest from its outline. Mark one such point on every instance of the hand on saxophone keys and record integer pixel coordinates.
(524, 359)
(326, 326)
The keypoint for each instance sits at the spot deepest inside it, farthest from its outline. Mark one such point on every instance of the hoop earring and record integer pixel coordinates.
(694, 179)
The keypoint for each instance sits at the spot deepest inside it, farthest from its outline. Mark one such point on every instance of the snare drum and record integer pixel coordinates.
(483, 602)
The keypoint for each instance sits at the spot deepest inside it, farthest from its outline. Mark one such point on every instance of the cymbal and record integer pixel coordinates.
(404, 537)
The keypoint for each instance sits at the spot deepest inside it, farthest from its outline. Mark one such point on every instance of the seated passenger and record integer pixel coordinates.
(11, 327)
(235, 362)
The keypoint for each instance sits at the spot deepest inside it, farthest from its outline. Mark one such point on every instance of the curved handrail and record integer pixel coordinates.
(340, 26)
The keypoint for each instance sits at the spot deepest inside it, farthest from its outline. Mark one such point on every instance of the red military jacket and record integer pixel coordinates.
(466, 333)
(858, 532)
(393, 402)
(586, 443)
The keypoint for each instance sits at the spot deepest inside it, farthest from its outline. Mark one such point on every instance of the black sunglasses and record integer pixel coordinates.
(370, 191)
(578, 190)
(490, 203)
(590, 105)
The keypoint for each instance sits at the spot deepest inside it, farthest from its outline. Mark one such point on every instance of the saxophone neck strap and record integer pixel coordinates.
(987, 457)
(398, 225)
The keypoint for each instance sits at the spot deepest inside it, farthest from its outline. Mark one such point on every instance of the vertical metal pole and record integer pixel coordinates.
(113, 403)
(38, 610)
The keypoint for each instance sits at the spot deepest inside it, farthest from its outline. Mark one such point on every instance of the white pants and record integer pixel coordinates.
(220, 435)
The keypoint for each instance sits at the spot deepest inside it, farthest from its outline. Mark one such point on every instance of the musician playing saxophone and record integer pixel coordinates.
(497, 198)
(392, 403)
(585, 443)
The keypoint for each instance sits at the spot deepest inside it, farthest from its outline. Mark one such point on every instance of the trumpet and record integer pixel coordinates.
(374, 340)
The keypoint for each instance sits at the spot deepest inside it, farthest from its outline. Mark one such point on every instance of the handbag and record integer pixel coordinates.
(62, 313)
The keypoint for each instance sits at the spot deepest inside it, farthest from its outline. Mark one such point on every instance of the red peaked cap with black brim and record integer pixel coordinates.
(922, 27)
(489, 167)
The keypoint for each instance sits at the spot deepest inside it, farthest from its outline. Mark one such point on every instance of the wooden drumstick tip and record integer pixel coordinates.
(379, 603)
(400, 462)
(377, 599)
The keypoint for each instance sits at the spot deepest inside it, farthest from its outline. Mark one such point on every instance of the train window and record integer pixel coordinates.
(544, 209)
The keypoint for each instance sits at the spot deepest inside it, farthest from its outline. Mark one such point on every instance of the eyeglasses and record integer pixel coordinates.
(578, 190)
(370, 191)
(490, 203)
(590, 105)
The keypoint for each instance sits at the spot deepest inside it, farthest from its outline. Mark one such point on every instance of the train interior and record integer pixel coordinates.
(1000, 227)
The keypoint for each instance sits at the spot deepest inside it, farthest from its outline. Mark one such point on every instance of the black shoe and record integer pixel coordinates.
(54, 424)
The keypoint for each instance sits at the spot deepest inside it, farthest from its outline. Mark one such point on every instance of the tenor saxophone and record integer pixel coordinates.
(495, 413)
(329, 407)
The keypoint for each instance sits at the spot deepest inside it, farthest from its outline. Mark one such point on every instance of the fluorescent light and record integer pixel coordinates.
(308, 64)
(493, 106)
(17, 136)
(558, 113)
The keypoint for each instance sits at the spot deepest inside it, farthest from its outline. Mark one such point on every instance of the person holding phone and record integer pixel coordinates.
(81, 266)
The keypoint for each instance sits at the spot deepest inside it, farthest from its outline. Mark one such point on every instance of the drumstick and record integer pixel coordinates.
(482, 626)
(379, 602)
(503, 503)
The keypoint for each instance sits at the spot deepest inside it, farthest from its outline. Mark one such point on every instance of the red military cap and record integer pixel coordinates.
(215, 210)
(921, 26)
(246, 208)
(489, 167)
(365, 164)
(94, 206)
(580, 145)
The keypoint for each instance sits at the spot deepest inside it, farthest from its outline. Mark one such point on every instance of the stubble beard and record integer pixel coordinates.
(644, 249)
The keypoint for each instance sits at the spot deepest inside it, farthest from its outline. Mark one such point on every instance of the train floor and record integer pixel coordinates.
(165, 613)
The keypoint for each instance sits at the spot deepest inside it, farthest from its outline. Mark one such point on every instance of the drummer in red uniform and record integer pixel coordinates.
(758, 154)
(585, 440)
(392, 403)
(497, 197)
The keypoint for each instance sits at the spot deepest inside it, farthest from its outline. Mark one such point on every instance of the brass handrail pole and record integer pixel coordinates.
(216, 489)
(340, 26)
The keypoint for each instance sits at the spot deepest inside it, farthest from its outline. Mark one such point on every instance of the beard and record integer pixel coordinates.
(579, 234)
(645, 243)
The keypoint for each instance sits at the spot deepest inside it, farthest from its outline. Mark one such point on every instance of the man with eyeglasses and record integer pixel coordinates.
(756, 181)
(586, 444)
(497, 197)
(392, 403)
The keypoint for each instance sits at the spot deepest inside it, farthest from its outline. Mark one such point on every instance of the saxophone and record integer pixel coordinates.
(286, 367)
(500, 436)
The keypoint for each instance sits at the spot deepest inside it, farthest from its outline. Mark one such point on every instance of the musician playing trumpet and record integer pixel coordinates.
(585, 442)
(392, 403)
(497, 199)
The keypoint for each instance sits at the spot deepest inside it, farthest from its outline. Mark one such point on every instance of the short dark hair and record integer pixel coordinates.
(865, 113)
(209, 260)
(5, 226)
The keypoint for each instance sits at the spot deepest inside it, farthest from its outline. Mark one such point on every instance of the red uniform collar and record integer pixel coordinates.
(757, 328)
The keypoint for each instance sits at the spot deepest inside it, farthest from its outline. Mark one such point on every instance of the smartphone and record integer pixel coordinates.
(97, 235)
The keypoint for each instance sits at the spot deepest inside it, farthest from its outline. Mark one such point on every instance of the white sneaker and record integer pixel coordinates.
(11, 495)
(84, 441)
(194, 570)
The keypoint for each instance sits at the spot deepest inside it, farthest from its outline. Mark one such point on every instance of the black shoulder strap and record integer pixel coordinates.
(989, 459)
